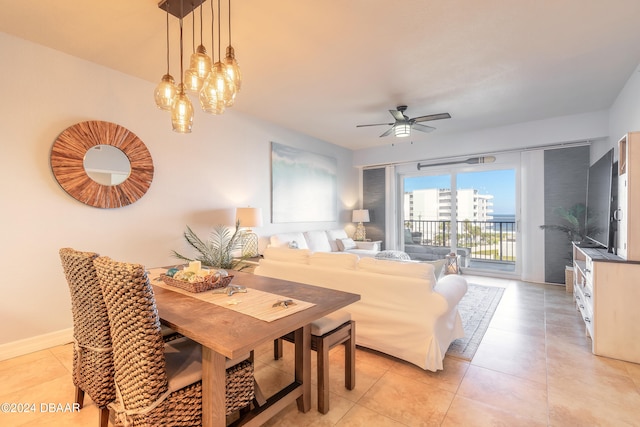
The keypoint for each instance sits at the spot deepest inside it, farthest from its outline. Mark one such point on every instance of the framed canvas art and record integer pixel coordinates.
(303, 185)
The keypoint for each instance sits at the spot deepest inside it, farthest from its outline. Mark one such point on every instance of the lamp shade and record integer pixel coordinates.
(360, 215)
(249, 217)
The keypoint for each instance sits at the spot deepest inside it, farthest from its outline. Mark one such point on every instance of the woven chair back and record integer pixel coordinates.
(93, 370)
(138, 347)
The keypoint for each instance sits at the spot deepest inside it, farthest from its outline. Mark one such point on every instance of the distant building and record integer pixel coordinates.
(434, 204)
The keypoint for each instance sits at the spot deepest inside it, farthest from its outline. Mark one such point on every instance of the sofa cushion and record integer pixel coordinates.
(329, 322)
(299, 256)
(438, 267)
(346, 244)
(418, 270)
(334, 260)
(284, 240)
(317, 241)
(333, 236)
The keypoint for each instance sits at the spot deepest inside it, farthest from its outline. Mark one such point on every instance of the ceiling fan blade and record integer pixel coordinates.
(377, 124)
(422, 128)
(387, 133)
(397, 114)
(432, 117)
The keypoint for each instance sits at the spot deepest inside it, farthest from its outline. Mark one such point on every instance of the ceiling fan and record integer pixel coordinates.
(403, 124)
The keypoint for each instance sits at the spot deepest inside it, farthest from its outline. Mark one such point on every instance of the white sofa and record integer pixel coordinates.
(402, 312)
(324, 241)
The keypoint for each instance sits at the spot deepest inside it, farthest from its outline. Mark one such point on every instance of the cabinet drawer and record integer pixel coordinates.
(584, 303)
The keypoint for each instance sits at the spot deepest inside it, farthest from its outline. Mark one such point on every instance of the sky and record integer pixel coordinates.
(499, 183)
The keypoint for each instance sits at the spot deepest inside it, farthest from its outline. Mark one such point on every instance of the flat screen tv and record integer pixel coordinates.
(601, 202)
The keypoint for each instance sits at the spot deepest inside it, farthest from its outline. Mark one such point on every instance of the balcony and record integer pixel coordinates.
(489, 241)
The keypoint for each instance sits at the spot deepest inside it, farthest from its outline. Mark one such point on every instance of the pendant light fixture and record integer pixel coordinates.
(200, 64)
(182, 110)
(208, 94)
(233, 69)
(166, 89)
(215, 83)
(219, 87)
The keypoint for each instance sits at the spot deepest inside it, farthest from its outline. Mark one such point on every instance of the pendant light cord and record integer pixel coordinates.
(219, 51)
(213, 46)
(229, 22)
(181, 70)
(200, 23)
(168, 38)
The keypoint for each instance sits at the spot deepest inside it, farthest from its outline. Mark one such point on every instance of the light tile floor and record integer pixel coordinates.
(534, 367)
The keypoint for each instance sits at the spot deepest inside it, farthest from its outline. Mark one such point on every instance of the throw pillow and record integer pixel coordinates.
(346, 244)
(317, 241)
(333, 236)
(438, 267)
(391, 255)
(283, 240)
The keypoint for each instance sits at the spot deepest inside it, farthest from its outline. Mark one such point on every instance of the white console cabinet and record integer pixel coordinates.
(607, 294)
(628, 234)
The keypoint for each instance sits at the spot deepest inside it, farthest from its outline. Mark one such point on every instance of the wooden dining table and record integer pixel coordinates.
(228, 334)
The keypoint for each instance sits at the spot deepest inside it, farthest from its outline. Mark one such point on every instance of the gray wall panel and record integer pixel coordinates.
(565, 184)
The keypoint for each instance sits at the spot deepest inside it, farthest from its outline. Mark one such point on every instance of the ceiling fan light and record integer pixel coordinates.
(165, 92)
(402, 130)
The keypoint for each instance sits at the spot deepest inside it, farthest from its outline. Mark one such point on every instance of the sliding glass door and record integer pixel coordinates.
(477, 219)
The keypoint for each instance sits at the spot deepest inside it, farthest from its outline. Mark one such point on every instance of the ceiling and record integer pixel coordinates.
(323, 67)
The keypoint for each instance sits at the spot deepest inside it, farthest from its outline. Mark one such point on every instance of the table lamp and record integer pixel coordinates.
(249, 217)
(360, 216)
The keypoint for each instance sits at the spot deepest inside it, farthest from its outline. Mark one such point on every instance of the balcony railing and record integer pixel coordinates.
(487, 240)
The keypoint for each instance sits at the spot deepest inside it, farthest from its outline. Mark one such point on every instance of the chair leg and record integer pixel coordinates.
(277, 348)
(79, 396)
(323, 375)
(350, 359)
(104, 416)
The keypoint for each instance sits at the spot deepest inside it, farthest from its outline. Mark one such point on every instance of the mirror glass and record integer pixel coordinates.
(107, 165)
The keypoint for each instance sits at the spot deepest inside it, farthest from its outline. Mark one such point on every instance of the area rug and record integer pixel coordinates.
(476, 309)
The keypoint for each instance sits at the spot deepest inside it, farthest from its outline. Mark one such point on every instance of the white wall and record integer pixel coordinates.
(624, 114)
(199, 179)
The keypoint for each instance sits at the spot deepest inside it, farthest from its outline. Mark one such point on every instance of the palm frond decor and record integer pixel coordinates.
(218, 250)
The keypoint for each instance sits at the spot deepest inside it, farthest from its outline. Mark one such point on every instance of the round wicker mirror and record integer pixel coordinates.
(67, 162)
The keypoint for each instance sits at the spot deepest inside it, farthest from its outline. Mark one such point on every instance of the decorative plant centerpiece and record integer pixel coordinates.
(218, 250)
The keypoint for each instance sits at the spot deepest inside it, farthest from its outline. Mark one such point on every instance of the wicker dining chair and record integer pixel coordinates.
(157, 383)
(92, 359)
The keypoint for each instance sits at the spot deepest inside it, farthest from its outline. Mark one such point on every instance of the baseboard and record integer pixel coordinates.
(40, 342)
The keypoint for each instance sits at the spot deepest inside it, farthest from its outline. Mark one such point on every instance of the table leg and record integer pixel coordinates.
(303, 366)
(213, 388)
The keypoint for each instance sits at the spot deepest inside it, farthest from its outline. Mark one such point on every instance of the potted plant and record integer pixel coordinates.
(576, 229)
(574, 224)
(218, 250)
